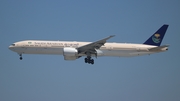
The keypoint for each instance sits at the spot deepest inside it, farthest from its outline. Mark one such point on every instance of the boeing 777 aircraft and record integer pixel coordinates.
(72, 50)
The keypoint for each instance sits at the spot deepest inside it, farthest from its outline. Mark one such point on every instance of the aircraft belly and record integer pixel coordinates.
(123, 53)
(117, 53)
(140, 53)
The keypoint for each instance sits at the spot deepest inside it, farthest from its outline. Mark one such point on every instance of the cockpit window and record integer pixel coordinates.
(13, 44)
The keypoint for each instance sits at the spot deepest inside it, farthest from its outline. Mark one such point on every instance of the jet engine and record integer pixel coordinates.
(70, 53)
(99, 52)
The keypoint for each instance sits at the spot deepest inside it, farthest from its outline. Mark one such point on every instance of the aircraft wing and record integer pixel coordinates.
(92, 46)
(159, 48)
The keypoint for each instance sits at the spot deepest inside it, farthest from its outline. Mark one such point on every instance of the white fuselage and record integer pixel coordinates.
(56, 47)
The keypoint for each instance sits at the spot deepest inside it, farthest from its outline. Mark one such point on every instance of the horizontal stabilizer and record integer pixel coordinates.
(160, 48)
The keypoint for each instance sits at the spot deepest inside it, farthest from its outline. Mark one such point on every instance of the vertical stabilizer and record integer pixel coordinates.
(157, 37)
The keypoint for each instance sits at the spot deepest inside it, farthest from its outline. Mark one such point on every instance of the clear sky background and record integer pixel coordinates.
(50, 78)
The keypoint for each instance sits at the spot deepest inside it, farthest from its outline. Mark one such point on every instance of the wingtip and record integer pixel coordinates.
(112, 35)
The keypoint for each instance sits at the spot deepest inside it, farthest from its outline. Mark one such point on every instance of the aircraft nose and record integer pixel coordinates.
(10, 47)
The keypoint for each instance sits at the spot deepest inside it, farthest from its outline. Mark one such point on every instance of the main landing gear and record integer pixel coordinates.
(89, 60)
(20, 56)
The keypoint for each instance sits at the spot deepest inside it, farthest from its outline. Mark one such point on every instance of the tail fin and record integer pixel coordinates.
(157, 37)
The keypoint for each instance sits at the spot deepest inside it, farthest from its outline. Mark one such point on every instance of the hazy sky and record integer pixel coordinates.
(51, 78)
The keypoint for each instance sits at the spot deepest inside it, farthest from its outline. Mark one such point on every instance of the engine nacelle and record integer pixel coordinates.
(99, 52)
(70, 53)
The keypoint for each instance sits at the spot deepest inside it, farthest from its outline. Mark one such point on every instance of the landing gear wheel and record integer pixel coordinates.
(92, 61)
(20, 58)
(86, 60)
(89, 60)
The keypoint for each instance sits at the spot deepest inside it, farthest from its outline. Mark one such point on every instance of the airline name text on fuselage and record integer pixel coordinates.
(64, 44)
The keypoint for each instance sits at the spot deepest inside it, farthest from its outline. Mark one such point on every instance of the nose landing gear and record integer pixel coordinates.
(20, 56)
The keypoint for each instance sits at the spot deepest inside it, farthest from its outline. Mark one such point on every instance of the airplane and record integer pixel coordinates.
(72, 50)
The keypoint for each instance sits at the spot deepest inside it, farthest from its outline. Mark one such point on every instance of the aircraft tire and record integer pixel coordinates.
(20, 56)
